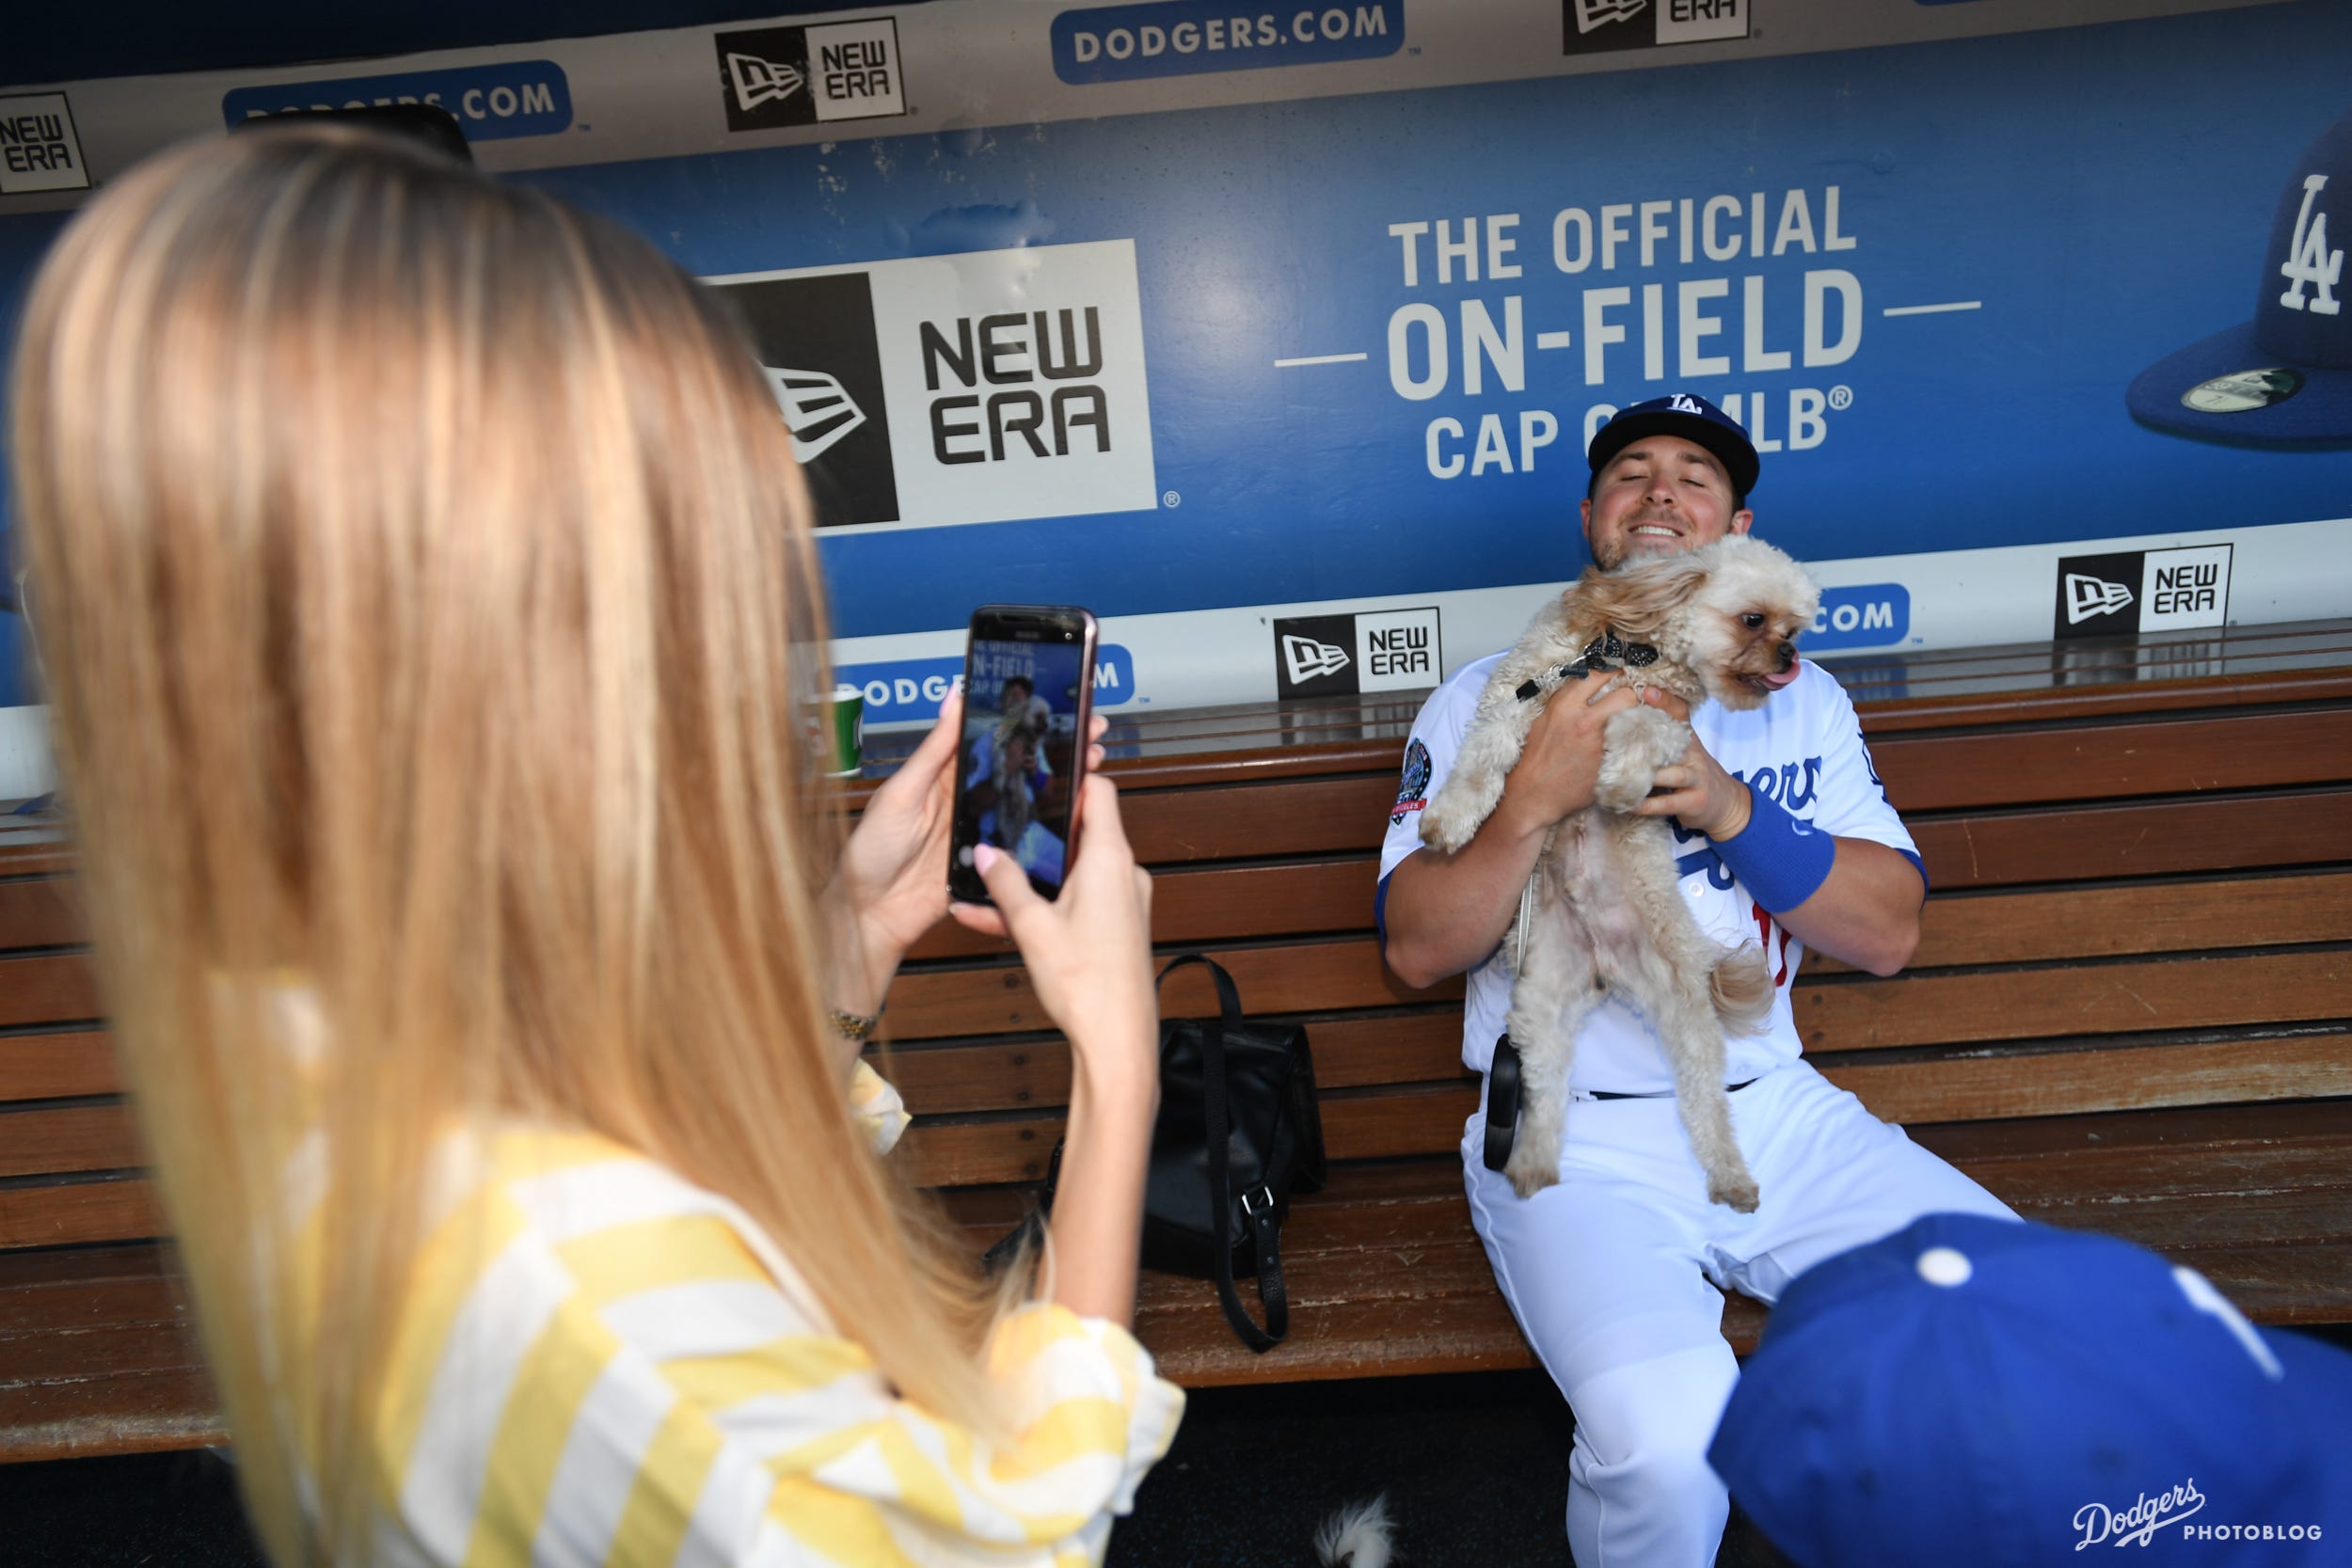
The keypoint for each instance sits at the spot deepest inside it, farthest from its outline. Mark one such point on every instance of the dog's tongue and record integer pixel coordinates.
(1776, 682)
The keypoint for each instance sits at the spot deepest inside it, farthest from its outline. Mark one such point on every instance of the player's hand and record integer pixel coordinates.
(1088, 952)
(1555, 774)
(1700, 793)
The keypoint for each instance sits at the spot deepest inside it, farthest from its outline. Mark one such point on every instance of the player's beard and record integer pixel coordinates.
(1616, 549)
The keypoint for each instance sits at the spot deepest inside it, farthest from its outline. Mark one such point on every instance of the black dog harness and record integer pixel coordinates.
(1605, 653)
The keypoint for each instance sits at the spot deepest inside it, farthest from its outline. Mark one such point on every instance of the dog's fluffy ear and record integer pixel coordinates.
(1638, 600)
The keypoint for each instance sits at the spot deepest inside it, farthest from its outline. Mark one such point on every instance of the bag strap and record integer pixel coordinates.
(1258, 1204)
(1228, 998)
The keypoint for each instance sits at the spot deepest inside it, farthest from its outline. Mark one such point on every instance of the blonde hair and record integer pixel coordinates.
(427, 598)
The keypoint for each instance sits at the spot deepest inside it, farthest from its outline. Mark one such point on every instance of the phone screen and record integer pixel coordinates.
(1025, 691)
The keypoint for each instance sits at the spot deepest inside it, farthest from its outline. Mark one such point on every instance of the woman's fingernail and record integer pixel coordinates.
(984, 855)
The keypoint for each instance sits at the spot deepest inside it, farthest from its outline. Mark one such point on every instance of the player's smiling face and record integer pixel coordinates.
(1660, 496)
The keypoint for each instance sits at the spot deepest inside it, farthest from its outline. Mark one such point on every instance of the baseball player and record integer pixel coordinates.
(1786, 840)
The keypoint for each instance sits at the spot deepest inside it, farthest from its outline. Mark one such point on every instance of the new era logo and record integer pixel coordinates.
(1373, 650)
(1591, 26)
(775, 77)
(1306, 658)
(817, 409)
(1597, 13)
(39, 149)
(756, 81)
(2144, 591)
(2087, 596)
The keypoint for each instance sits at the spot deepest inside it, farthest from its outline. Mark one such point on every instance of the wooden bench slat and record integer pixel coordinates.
(136, 1413)
(68, 1139)
(49, 988)
(1309, 816)
(41, 912)
(2016, 765)
(1428, 1119)
(58, 1066)
(1844, 1013)
(1348, 1053)
(2225, 1131)
(1237, 903)
(2071, 1082)
(2116, 921)
(1221, 904)
(81, 1211)
(103, 1303)
(80, 1353)
(2151, 839)
(2129, 997)
(1291, 978)
(1016, 1149)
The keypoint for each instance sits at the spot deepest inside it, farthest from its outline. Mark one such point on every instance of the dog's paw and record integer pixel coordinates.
(1621, 786)
(1446, 822)
(1528, 1182)
(1733, 1191)
(1531, 1171)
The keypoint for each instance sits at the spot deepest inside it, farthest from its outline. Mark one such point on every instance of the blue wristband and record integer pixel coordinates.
(1784, 861)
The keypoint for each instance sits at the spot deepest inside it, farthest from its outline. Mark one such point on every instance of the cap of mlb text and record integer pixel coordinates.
(2283, 379)
(1978, 1392)
(1689, 416)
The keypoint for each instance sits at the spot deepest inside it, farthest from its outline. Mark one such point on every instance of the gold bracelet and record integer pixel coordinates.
(854, 1026)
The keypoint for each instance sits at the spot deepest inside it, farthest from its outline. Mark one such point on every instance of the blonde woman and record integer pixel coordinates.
(429, 607)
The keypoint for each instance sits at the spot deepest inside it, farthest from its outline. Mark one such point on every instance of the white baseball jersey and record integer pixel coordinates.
(1803, 748)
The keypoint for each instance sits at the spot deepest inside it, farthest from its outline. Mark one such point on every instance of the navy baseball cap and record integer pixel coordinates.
(1689, 416)
(1975, 1393)
(2283, 379)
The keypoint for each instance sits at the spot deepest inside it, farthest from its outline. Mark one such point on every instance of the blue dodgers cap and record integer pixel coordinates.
(1978, 1392)
(2283, 379)
(1689, 416)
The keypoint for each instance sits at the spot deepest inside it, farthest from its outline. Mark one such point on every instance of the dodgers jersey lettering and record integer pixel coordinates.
(1803, 748)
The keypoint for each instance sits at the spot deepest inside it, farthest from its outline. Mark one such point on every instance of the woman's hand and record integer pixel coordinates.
(1089, 957)
(892, 885)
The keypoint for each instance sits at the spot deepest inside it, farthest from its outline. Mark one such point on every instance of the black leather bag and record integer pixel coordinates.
(1238, 1132)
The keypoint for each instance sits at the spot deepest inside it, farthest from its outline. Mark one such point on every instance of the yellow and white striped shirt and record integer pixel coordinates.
(602, 1363)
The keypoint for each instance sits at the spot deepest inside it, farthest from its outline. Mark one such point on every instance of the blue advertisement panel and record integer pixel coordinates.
(1377, 330)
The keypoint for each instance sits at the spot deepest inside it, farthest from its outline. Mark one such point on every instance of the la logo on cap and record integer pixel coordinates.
(2284, 378)
(2309, 259)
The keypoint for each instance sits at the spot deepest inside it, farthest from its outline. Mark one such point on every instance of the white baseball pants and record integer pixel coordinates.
(1616, 1277)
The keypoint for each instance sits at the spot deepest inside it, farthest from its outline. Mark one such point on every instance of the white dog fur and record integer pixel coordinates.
(1605, 909)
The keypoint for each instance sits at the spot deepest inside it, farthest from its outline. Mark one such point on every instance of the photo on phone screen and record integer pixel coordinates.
(1027, 684)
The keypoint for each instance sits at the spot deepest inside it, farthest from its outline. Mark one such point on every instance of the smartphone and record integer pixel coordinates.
(1028, 693)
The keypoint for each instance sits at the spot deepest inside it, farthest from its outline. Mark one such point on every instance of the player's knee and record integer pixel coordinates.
(1669, 1471)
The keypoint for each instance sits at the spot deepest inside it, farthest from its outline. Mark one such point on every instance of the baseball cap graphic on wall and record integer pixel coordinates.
(1689, 416)
(1978, 1392)
(2283, 379)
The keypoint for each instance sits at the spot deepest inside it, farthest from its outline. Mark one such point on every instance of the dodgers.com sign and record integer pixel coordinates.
(516, 98)
(909, 691)
(1187, 38)
(1870, 615)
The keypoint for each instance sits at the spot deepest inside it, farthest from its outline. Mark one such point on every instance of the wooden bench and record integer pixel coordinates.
(2129, 1012)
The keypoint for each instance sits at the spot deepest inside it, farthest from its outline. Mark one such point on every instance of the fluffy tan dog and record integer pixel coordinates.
(1603, 908)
